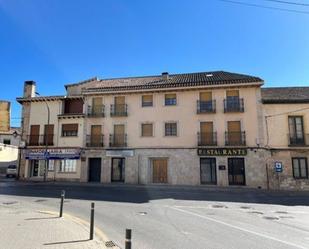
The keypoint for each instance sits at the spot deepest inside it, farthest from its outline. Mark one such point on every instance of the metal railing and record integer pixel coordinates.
(96, 111)
(207, 138)
(206, 106)
(118, 140)
(94, 141)
(235, 138)
(119, 110)
(295, 140)
(233, 105)
(38, 140)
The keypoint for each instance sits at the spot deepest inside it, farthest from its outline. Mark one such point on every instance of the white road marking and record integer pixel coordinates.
(239, 228)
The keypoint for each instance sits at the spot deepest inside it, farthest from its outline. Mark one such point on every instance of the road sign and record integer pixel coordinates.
(278, 167)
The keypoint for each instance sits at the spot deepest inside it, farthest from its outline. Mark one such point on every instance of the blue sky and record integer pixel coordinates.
(56, 42)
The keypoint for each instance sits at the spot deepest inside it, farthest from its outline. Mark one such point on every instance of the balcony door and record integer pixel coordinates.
(119, 134)
(97, 105)
(232, 97)
(96, 133)
(119, 104)
(296, 129)
(234, 132)
(206, 129)
(49, 134)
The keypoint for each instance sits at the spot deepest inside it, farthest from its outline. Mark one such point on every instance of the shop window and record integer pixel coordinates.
(51, 165)
(67, 166)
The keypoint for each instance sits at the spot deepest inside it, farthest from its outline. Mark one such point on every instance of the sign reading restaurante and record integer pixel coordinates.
(222, 152)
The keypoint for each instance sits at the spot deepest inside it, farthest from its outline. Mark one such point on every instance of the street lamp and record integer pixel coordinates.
(46, 139)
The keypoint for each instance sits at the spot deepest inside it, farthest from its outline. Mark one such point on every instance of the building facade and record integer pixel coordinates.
(184, 129)
(286, 117)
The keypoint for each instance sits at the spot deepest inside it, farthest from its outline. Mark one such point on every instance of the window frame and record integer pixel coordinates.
(7, 141)
(170, 122)
(152, 126)
(171, 104)
(299, 167)
(142, 104)
(69, 133)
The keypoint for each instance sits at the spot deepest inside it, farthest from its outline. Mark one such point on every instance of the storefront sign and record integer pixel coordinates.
(52, 154)
(120, 153)
(222, 152)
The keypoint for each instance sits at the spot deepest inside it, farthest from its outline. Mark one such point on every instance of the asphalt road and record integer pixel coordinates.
(180, 217)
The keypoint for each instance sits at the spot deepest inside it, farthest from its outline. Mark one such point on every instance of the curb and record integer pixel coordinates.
(98, 232)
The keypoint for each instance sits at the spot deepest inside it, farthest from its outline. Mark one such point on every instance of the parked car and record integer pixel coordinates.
(11, 171)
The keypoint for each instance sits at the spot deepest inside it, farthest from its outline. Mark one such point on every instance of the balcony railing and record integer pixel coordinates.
(298, 140)
(118, 140)
(206, 106)
(39, 140)
(207, 138)
(235, 138)
(96, 111)
(119, 110)
(94, 141)
(234, 105)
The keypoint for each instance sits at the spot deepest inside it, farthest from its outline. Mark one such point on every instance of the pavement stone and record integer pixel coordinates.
(23, 228)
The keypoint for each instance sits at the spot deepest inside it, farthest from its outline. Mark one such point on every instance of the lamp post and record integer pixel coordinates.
(46, 140)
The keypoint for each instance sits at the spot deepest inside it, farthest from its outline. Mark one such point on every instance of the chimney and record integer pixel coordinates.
(29, 89)
(165, 75)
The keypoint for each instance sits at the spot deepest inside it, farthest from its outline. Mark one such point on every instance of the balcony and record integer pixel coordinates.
(118, 140)
(40, 140)
(235, 138)
(96, 111)
(207, 139)
(94, 141)
(295, 140)
(234, 104)
(119, 110)
(206, 106)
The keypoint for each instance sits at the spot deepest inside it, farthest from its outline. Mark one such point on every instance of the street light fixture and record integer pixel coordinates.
(46, 139)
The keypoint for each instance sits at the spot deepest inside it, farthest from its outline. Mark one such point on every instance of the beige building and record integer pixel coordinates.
(184, 129)
(286, 120)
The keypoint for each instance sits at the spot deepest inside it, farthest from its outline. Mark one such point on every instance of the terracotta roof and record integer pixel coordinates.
(273, 95)
(173, 80)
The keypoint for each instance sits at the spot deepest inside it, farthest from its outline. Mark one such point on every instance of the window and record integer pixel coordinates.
(67, 166)
(7, 141)
(51, 164)
(147, 100)
(147, 130)
(69, 130)
(170, 99)
(170, 129)
(296, 130)
(300, 167)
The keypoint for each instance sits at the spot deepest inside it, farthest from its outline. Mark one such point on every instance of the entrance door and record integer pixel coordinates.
(94, 170)
(34, 168)
(159, 170)
(118, 170)
(236, 171)
(208, 171)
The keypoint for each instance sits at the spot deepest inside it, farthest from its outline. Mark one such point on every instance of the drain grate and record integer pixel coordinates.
(9, 203)
(110, 244)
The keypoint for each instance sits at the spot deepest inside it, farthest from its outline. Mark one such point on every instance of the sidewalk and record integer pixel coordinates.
(23, 228)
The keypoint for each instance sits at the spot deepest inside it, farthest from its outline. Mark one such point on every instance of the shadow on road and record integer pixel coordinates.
(144, 194)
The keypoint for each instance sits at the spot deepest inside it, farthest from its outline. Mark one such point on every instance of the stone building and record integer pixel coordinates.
(181, 129)
(286, 112)
(191, 129)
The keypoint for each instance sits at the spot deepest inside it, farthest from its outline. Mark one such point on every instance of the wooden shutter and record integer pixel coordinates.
(70, 127)
(206, 127)
(232, 93)
(234, 132)
(73, 106)
(205, 96)
(147, 130)
(96, 132)
(118, 129)
(170, 96)
(97, 101)
(49, 134)
(34, 134)
(147, 98)
(233, 126)
(119, 136)
(119, 100)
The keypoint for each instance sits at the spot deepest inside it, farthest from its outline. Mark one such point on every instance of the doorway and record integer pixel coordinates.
(37, 168)
(208, 171)
(94, 165)
(118, 169)
(159, 170)
(236, 168)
